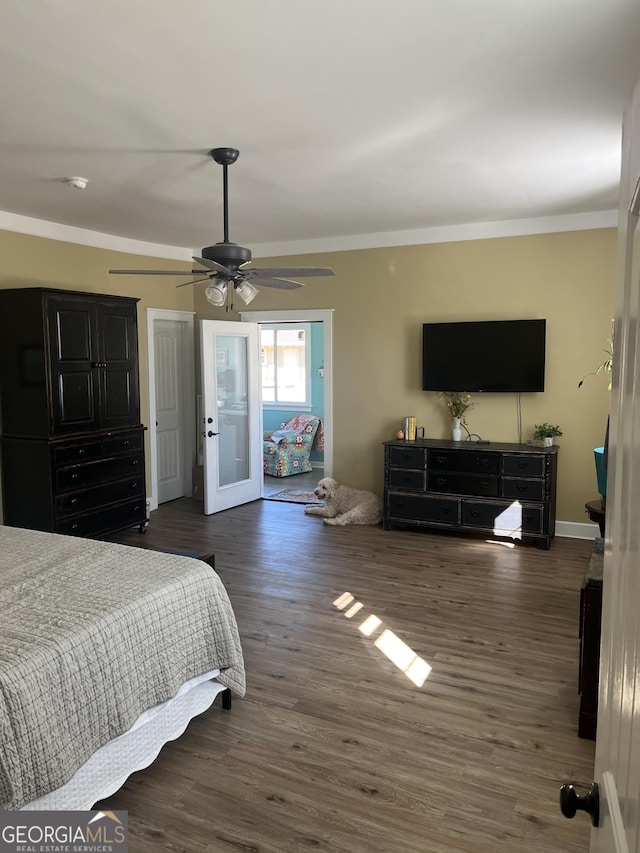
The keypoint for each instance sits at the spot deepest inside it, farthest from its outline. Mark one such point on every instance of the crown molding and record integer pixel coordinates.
(84, 237)
(443, 234)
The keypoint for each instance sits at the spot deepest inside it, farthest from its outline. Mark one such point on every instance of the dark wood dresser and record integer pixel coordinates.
(590, 628)
(496, 489)
(72, 442)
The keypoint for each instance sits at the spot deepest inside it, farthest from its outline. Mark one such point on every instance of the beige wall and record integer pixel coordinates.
(381, 298)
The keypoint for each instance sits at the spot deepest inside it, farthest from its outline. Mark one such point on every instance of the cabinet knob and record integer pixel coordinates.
(133, 462)
(571, 802)
(133, 486)
(74, 476)
(82, 451)
(73, 501)
(73, 526)
(125, 442)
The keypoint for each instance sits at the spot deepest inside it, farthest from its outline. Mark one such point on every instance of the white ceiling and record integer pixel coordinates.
(353, 117)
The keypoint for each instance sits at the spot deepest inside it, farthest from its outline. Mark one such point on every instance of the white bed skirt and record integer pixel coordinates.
(108, 769)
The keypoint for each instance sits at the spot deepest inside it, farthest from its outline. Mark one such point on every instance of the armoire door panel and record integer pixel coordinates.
(76, 399)
(73, 334)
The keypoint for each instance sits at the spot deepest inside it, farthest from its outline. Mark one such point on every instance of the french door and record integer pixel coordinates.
(231, 423)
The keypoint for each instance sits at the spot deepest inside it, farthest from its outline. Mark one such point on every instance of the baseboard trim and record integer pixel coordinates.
(577, 530)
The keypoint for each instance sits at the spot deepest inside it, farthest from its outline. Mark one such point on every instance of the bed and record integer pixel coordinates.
(106, 652)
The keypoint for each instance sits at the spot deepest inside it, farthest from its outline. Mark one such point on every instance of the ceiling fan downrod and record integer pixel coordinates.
(227, 253)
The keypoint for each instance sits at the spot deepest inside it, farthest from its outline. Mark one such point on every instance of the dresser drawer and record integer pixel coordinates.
(94, 473)
(103, 520)
(469, 461)
(463, 484)
(109, 444)
(422, 508)
(523, 465)
(525, 490)
(71, 503)
(406, 479)
(504, 519)
(407, 457)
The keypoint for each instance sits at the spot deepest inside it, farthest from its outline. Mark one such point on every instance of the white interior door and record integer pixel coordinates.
(232, 414)
(170, 437)
(617, 770)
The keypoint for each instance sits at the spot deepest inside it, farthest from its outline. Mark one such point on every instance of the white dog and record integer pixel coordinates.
(344, 505)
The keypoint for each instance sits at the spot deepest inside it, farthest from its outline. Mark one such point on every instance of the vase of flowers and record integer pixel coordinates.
(458, 403)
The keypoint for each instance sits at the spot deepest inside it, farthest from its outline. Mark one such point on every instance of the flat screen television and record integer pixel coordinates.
(485, 355)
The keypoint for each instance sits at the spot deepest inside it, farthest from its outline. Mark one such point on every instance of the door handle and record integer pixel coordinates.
(571, 802)
(210, 433)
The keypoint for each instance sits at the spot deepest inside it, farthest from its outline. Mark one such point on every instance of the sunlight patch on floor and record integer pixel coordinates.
(396, 650)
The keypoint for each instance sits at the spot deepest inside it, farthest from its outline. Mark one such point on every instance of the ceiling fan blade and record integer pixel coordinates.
(213, 265)
(296, 272)
(272, 281)
(197, 281)
(157, 272)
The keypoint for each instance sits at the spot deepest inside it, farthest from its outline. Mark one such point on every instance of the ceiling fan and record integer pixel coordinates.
(223, 263)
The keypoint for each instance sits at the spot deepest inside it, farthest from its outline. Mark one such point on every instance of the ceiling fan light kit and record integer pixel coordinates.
(223, 263)
(216, 293)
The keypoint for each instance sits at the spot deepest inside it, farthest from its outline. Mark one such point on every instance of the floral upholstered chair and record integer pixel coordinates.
(288, 450)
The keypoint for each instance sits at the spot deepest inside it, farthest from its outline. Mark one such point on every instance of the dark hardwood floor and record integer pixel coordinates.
(334, 748)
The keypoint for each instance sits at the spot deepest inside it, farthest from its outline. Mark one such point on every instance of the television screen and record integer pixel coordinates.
(493, 355)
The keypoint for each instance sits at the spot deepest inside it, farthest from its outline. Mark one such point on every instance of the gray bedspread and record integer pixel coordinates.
(91, 635)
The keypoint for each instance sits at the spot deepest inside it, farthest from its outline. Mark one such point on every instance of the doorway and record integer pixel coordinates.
(325, 317)
(170, 344)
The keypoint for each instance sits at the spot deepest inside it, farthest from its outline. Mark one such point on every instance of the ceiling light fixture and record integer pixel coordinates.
(216, 293)
(77, 183)
(246, 291)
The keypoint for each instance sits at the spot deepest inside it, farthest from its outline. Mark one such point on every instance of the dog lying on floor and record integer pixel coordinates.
(344, 505)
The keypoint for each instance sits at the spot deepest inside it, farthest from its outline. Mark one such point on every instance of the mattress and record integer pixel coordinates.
(110, 766)
(92, 635)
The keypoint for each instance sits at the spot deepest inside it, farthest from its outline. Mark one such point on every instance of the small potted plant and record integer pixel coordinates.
(546, 433)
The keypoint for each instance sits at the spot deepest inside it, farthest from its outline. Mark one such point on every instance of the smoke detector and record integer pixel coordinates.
(78, 183)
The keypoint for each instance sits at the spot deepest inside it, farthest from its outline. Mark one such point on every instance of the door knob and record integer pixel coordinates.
(571, 802)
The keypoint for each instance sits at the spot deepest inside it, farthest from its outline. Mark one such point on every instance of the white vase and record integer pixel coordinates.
(548, 441)
(457, 431)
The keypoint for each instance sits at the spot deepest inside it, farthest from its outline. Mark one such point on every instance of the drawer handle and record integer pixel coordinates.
(135, 508)
(522, 464)
(441, 458)
(483, 460)
(125, 442)
(133, 462)
(73, 526)
(484, 484)
(407, 456)
(522, 488)
(73, 501)
(75, 476)
(406, 478)
(82, 451)
(133, 486)
(475, 513)
(445, 510)
(398, 504)
(442, 481)
(527, 517)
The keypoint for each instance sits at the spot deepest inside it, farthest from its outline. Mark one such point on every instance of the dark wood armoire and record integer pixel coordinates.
(72, 442)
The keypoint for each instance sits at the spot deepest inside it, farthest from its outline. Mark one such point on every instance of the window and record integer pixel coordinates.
(285, 355)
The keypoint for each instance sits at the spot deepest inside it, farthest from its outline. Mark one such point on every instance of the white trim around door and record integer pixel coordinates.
(189, 396)
(312, 315)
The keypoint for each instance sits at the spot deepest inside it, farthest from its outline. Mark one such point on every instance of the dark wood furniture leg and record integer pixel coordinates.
(226, 699)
